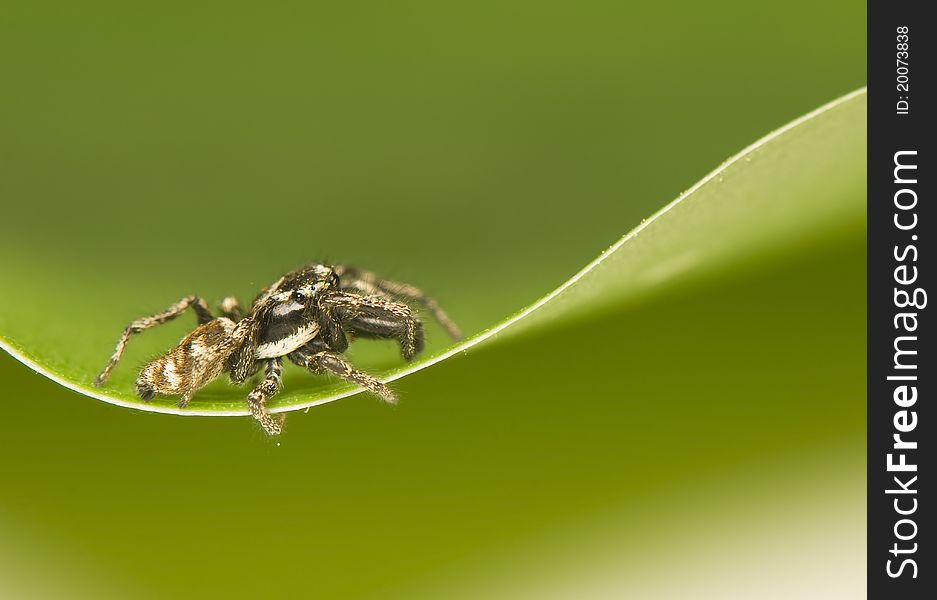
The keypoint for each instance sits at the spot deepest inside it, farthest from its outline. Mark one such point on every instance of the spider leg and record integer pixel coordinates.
(197, 304)
(337, 365)
(263, 392)
(368, 283)
(230, 308)
(332, 333)
(378, 316)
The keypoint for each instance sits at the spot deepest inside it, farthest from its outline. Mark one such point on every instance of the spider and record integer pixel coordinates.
(306, 315)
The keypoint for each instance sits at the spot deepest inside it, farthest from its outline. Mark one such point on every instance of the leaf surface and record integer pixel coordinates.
(802, 182)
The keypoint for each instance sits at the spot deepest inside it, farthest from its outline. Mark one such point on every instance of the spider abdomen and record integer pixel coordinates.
(199, 358)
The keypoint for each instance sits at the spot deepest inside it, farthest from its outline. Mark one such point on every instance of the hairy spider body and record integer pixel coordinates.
(307, 316)
(198, 359)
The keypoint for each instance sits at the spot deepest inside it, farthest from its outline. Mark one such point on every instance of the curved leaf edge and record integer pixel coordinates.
(22, 356)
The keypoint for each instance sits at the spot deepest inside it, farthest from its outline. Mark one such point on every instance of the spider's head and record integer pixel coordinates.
(299, 291)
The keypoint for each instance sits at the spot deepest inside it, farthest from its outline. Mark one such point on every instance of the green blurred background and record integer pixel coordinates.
(486, 152)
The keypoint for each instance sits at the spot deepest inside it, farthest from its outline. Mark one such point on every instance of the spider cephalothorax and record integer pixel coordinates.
(306, 316)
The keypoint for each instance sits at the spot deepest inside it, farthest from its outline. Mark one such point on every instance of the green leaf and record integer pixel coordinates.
(61, 315)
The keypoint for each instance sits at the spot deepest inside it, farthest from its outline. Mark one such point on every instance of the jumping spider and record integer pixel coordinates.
(306, 315)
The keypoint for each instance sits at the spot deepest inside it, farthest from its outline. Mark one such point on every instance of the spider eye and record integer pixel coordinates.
(299, 297)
